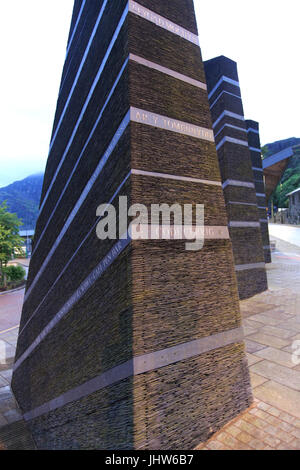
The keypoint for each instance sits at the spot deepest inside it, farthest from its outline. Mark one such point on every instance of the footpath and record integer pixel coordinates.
(272, 327)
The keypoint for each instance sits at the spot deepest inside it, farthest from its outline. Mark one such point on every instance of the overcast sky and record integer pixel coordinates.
(262, 36)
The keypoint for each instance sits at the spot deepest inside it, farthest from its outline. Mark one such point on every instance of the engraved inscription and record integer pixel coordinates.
(162, 22)
(163, 122)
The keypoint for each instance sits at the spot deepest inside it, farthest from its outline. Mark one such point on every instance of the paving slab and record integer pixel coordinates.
(278, 332)
(280, 396)
(279, 313)
(10, 309)
(3, 382)
(3, 422)
(252, 347)
(266, 319)
(12, 416)
(248, 330)
(292, 325)
(253, 307)
(252, 324)
(6, 374)
(256, 380)
(276, 355)
(253, 359)
(268, 340)
(278, 373)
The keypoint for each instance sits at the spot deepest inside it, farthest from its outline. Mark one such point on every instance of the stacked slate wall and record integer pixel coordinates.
(237, 175)
(255, 152)
(130, 344)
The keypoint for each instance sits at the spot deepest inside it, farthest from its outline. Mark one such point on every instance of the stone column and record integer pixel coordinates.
(237, 175)
(258, 172)
(130, 344)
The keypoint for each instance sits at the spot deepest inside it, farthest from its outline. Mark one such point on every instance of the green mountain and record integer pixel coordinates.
(291, 178)
(23, 198)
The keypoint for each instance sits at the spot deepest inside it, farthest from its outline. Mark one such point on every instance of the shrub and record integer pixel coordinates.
(15, 273)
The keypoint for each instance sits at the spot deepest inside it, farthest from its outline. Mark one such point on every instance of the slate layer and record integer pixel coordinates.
(237, 175)
(255, 152)
(149, 354)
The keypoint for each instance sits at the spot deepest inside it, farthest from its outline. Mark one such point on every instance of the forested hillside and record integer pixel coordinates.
(23, 198)
(291, 178)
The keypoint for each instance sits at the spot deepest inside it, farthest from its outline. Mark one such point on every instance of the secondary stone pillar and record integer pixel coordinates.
(130, 344)
(237, 175)
(258, 173)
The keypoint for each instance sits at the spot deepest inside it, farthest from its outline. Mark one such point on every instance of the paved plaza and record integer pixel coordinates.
(13, 431)
(272, 326)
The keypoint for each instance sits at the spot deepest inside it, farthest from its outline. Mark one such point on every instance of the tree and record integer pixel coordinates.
(10, 241)
(264, 152)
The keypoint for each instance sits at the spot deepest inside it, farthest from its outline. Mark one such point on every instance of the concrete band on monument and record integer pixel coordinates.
(222, 80)
(253, 204)
(81, 153)
(75, 27)
(82, 198)
(140, 365)
(132, 172)
(230, 114)
(242, 129)
(137, 9)
(136, 115)
(81, 67)
(248, 267)
(164, 23)
(174, 125)
(146, 14)
(167, 71)
(131, 57)
(95, 82)
(244, 184)
(255, 131)
(176, 178)
(224, 92)
(74, 255)
(237, 224)
(231, 140)
(257, 169)
(210, 233)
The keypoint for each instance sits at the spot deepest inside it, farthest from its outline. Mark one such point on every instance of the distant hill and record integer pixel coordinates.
(291, 178)
(270, 149)
(23, 198)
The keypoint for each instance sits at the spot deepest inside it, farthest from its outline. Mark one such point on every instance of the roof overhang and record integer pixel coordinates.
(294, 192)
(274, 167)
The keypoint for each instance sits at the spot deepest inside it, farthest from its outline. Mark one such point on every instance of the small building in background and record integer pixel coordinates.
(294, 207)
(27, 236)
(281, 216)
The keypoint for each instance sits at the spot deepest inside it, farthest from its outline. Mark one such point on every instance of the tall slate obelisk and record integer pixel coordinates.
(130, 344)
(258, 173)
(237, 175)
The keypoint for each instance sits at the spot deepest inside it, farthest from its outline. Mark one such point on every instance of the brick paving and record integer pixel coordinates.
(13, 430)
(272, 325)
(262, 427)
(9, 411)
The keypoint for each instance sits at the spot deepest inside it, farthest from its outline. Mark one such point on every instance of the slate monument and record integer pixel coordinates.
(240, 193)
(258, 173)
(130, 344)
